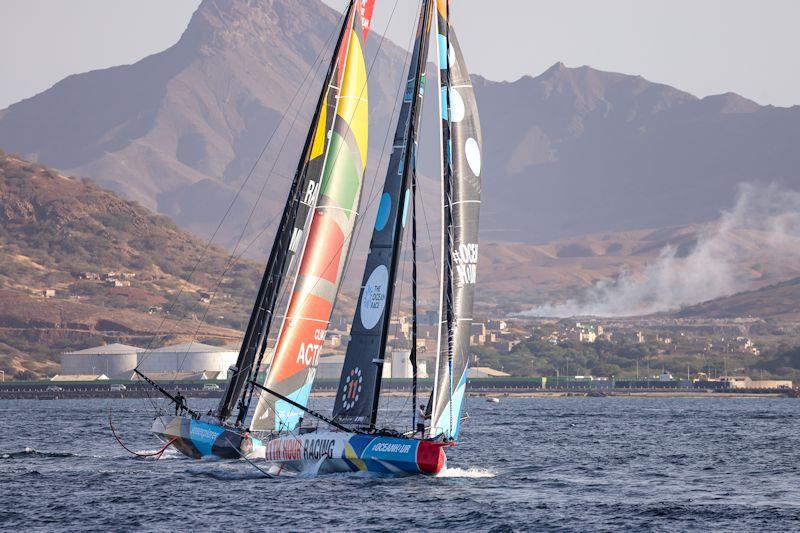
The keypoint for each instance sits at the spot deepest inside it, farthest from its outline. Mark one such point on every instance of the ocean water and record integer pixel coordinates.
(574, 464)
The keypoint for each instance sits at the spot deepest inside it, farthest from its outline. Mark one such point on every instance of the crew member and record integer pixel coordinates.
(180, 403)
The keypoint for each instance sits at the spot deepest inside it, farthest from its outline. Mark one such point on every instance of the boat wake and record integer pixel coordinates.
(467, 473)
(31, 452)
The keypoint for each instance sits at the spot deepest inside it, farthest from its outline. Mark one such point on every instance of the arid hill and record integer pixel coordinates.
(780, 301)
(79, 265)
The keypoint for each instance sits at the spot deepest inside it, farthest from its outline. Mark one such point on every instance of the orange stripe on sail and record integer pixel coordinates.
(303, 336)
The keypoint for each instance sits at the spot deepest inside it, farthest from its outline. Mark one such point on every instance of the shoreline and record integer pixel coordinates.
(68, 394)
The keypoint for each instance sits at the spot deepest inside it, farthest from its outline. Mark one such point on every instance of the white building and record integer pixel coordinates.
(113, 360)
(189, 358)
(395, 366)
(401, 366)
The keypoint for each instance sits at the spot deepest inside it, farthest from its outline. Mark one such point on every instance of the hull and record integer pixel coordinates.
(328, 452)
(198, 439)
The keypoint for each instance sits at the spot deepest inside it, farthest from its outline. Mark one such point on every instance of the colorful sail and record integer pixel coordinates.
(288, 237)
(359, 387)
(322, 259)
(461, 200)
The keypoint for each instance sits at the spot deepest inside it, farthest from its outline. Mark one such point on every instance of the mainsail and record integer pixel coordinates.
(359, 387)
(322, 259)
(461, 195)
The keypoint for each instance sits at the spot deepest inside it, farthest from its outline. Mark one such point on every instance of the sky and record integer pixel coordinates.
(700, 46)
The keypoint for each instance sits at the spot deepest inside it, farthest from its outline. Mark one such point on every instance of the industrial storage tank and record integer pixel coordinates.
(193, 357)
(113, 360)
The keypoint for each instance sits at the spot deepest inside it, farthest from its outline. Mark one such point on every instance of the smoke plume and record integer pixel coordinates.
(762, 227)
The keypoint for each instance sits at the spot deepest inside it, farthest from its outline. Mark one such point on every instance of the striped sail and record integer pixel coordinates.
(322, 260)
(288, 238)
(461, 188)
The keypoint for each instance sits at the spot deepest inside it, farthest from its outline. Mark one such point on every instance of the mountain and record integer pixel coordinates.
(180, 130)
(572, 151)
(577, 150)
(79, 266)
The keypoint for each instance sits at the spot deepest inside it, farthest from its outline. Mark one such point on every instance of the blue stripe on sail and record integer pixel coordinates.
(286, 415)
(384, 211)
(458, 402)
(405, 206)
(443, 101)
(442, 52)
(443, 424)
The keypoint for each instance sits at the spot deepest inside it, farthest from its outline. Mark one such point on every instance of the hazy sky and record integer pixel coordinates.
(701, 46)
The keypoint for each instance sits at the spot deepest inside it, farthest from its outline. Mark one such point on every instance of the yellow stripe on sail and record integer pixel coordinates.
(353, 106)
(318, 146)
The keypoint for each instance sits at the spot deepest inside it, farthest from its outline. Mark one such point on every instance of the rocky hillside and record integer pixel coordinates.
(79, 265)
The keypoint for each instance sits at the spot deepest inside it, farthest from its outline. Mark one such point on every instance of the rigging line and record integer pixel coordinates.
(373, 194)
(243, 456)
(360, 221)
(156, 454)
(428, 230)
(313, 67)
(233, 258)
(399, 300)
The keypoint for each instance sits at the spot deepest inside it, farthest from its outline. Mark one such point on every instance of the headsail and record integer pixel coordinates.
(323, 257)
(461, 188)
(288, 237)
(359, 387)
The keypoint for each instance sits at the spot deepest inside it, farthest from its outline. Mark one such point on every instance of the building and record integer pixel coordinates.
(401, 366)
(113, 360)
(485, 372)
(744, 382)
(189, 358)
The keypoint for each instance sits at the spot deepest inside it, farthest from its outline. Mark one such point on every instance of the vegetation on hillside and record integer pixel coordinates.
(626, 360)
(66, 242)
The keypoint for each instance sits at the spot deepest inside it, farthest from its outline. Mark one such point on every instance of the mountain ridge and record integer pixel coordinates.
(568, 152)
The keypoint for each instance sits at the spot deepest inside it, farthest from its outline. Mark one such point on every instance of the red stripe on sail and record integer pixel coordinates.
(324, 251)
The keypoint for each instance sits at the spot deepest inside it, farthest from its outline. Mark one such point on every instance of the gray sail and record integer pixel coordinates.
(461, 200)
(359, 387)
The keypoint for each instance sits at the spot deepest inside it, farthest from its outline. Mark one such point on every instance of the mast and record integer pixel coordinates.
(294, 219)
(461, 191)
(322, 258)
(360, 383)
(413, 355)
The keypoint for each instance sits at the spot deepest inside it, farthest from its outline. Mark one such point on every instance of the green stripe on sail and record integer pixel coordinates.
(342, 180)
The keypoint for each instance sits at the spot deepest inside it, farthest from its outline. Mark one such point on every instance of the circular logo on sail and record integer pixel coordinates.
(351, 391)
(373, 299)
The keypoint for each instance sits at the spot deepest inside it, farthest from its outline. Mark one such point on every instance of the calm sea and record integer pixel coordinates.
(573, 464)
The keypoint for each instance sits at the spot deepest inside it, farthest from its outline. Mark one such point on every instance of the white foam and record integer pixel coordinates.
(468, 473)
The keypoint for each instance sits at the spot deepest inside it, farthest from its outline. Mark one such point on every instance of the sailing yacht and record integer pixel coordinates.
(314, 238)
(357, 442)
